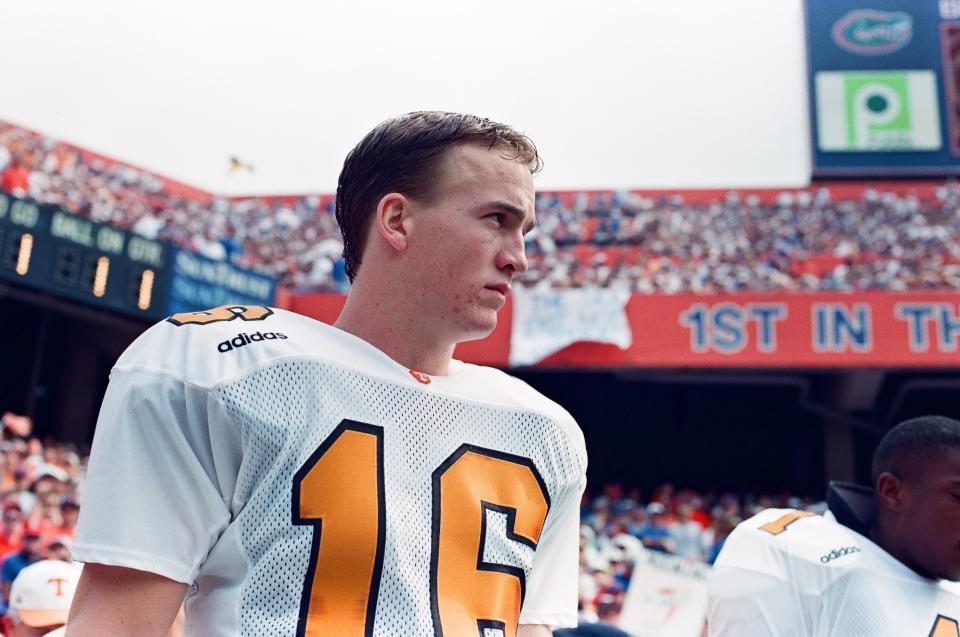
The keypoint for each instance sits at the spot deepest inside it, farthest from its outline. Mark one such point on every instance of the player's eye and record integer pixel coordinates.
(498, 217)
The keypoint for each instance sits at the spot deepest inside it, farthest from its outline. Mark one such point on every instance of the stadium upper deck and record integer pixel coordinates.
(898, 236)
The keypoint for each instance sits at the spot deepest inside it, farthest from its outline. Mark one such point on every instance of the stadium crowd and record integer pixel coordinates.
(39, 500)
(295, 239)
(796, 241)
(801, 241)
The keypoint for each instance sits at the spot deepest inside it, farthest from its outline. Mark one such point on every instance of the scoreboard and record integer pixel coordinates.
(884, 84)
(47, 249)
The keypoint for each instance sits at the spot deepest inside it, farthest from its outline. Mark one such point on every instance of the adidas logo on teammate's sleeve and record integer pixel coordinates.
(243, 339)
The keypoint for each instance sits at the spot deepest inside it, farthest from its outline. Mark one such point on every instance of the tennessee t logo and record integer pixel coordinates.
(59, 582)
(945, 627)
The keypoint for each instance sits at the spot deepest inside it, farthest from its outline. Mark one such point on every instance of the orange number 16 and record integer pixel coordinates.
(339, 490)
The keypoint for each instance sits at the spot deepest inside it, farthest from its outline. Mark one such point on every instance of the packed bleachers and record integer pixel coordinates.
(840, 238)
(40, 484)
(293, 238)
(807, 240)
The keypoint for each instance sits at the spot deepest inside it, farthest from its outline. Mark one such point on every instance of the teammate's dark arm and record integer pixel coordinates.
(123, 602)
(531, 630)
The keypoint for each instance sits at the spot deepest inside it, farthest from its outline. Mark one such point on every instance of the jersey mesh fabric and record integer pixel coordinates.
(497, 549)
(421, 430)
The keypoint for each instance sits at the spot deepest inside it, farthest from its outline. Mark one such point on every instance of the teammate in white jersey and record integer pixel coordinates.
(880, 562)
(292, 478)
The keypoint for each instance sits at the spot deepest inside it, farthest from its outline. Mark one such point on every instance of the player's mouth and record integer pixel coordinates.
(501, 290)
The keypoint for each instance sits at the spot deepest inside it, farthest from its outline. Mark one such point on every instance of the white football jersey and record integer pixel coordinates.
(787, 573)
(304, 484)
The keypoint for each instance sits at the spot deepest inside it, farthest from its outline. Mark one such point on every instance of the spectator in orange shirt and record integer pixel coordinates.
(69, 511)
(15, 179)
(11, 529)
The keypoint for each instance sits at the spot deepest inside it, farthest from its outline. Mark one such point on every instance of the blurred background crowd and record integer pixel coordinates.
(804, 240)
(39, 499)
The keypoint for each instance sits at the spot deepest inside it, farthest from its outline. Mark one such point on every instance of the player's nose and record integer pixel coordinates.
(513, 256)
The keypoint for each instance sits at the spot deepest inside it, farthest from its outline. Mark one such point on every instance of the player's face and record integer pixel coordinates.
(70, 515)
(467, 241)
(934, 513)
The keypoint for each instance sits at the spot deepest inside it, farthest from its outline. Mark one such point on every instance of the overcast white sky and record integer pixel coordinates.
(616, 93)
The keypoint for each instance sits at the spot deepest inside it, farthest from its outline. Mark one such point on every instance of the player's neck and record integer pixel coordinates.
(399, 334)
(899, 550)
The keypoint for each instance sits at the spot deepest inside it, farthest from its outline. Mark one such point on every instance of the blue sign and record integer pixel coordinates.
(882, 87)
(198, 283)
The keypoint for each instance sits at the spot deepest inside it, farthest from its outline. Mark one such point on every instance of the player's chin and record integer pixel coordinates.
(481, 325)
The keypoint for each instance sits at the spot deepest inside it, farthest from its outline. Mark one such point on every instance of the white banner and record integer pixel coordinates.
(667, 597)
(547, 320)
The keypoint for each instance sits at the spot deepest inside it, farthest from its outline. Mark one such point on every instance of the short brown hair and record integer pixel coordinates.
(401, 155)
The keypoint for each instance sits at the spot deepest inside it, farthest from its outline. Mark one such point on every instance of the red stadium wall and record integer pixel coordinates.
(744, 330)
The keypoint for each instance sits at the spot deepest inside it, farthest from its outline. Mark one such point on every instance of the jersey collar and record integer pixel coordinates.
(852, 505)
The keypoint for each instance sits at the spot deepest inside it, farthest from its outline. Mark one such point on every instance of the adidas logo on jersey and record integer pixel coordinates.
(245, 339)
(838, 553)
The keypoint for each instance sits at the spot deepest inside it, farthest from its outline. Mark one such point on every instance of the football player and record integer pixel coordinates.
(882, 562)
(292, 478)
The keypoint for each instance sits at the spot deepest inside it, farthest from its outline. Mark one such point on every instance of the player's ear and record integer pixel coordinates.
(391, 220)
(890, 491)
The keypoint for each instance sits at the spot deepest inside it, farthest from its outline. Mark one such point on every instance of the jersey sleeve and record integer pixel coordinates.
(750, 603)
(551, 593)
(771, 578)
(154, 499)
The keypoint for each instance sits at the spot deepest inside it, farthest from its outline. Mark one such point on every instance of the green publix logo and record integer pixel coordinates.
(872, 32)
(241, 340)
